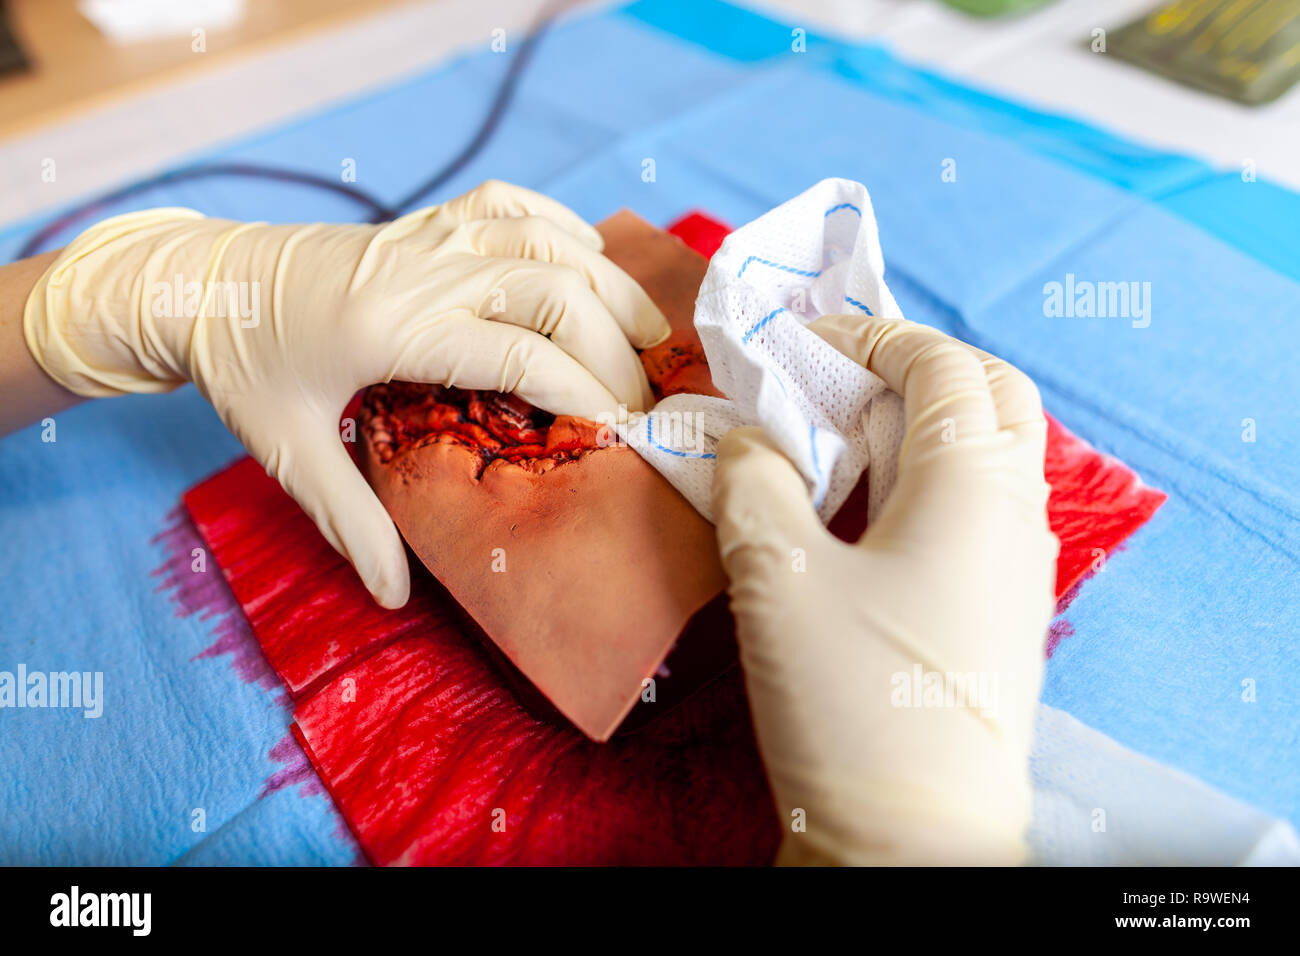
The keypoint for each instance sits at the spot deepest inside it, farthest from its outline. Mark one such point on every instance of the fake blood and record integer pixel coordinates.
(424, 748)
(1096, 502)
(402, 415)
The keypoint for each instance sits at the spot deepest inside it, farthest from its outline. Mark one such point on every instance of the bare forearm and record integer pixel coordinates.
(27, 394)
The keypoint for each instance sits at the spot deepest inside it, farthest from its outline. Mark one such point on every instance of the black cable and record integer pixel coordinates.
(378, 211)
(252, 171)
(500, 104)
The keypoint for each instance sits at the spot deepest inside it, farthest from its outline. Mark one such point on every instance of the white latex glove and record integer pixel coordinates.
(955, 576)
(501, 289)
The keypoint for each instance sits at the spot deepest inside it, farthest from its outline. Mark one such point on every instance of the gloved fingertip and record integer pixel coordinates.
(756, 484)
(633, 387)
(739, 440)
(381, 563)
(662, 336)
(733, 476)
(652, 326)
(844, 333)
(392, 591)
(648, 399)
(657, 333)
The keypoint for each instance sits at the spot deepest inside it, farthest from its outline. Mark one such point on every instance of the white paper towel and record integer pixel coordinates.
(818, 254)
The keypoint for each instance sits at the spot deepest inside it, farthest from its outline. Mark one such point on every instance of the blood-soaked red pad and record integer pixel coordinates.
(302, 600)
(428, 753)
(433, 760)
(1096, 502)
(700, 232)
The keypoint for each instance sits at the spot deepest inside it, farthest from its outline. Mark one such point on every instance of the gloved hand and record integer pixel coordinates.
(278, 326)
(847, 648)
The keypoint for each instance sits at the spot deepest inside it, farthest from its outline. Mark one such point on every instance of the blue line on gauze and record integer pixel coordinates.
(762, 322)
(650, 438)
(852, 301)
(775, 265)
(811, 399)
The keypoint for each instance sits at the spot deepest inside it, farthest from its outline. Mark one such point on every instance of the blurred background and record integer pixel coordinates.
(117, 87)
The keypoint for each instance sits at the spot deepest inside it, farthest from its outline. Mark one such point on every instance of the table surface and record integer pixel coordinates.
(75, 68)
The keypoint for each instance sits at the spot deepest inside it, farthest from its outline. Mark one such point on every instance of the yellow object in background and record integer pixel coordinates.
(1246, 50)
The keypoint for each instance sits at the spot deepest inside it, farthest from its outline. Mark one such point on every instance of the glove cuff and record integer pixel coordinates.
(104, 318)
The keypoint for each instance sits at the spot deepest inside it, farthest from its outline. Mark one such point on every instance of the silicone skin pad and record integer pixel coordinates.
(575, 558)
